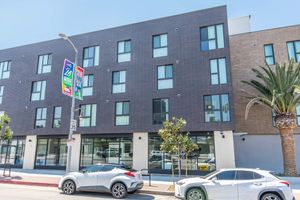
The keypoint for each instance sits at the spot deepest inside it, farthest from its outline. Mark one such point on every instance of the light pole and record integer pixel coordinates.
(63, 36)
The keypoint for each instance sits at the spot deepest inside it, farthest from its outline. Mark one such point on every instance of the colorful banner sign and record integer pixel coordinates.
(67, 78)
(79, 76)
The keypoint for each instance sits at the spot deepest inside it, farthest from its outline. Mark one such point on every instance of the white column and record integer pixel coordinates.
(75, 152)
(30, 151)
(140, 150)
(224, 148)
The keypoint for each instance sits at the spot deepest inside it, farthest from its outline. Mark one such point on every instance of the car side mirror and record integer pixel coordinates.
(214, 179)
(83, 171)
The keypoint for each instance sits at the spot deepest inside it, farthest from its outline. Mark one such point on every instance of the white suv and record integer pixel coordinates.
(113, 178)
(235, 184)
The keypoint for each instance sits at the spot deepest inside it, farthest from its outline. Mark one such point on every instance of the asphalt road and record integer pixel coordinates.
(20, 192)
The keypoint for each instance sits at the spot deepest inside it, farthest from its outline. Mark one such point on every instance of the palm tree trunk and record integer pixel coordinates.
(288, 151)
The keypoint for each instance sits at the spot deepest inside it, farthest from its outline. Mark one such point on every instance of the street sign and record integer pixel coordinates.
(79, 75)
(67, 78)
(73, 125)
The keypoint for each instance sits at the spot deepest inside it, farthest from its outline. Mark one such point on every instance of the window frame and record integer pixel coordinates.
(2, 71)
(218, 71)
(91, 58)
(122, 115)
(217, 110)
(124, 50)
(167, 114)
(273, 54)
(40, 69)
(88, 86)
(40, 92)
(119, 81)
(1, 93)
(41, 117)
(294, 49)
(162, 79)
(56, 118)
(90, 117)
(160, 47)
(215, 38)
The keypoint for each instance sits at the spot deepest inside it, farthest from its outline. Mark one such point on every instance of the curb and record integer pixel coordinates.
(29, 183)
(165, 193)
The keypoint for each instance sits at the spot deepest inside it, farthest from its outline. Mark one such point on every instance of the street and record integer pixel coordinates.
(20, 192)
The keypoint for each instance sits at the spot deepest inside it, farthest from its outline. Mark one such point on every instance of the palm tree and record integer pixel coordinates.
(278, 89)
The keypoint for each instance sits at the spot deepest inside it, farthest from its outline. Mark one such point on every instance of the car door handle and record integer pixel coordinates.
(257, 184)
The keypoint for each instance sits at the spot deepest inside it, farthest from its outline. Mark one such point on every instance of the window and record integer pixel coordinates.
(124, 51)
(294, 50)
(202, 159)
(160, 45)
(88, 115)
(57, 117)
(88, 83)
(97, 150)
(16, 151)
(40, 118)
(269, 54)
(38, 90)
(216, 108)
(218, 73)
(1, 93)
(212, 37)
(122, 113)
(44, 63)
(51, 152)
(5, 69)
(247, 175)
(119, 82)
(165, 77)
(91, 56)
(160, 110)
(226, 175)
(298, 113)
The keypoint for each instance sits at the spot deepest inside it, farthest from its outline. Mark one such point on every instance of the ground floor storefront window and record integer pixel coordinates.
(12, 152)
(51, 152)
(100, 149)
(200, 161)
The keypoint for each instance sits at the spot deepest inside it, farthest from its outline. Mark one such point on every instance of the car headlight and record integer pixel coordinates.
(180, 183)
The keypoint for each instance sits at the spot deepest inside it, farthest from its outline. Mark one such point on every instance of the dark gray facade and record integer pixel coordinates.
(191, 76)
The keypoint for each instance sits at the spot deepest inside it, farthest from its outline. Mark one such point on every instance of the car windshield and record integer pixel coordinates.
(210, 174)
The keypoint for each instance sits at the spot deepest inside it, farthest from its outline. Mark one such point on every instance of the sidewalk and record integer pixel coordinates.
(160, 185)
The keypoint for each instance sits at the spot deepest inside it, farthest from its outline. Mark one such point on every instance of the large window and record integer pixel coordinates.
(13, 151)
(269, 54)
(294, 50)
(1, 93)
(44, 64)
(5, 69)
(212, 37)
(124, 51)
(51, 152)
(218, 73)
(202, 159)
(122, 113)
(38, 90)
(160, 110)
(216, 108)
(160, 45)
(91, 56)
(88, 83)
(119, 82)
(106, 150)
(40, 118)
(88, 115)
(57, 117)
(165, 77)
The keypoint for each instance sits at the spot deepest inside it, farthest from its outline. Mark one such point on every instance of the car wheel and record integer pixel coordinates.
(69, 187)
(195, 194)
(118, 190)
(270, 196)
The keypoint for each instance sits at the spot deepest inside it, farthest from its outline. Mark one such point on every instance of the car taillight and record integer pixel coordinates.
(129, 174)
(285, 183)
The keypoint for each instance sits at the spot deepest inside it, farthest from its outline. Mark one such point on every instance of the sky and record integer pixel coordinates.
(29, 21)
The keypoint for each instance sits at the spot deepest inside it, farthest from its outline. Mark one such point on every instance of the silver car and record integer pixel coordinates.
(113, 178)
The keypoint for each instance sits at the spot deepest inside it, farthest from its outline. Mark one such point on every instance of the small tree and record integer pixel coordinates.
(174, 141)
(5, 131)
(188, 147)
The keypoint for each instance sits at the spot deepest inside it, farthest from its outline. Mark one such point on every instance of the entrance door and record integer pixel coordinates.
(113, 152)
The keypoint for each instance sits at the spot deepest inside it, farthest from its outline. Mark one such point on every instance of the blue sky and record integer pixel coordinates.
(29, 21)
